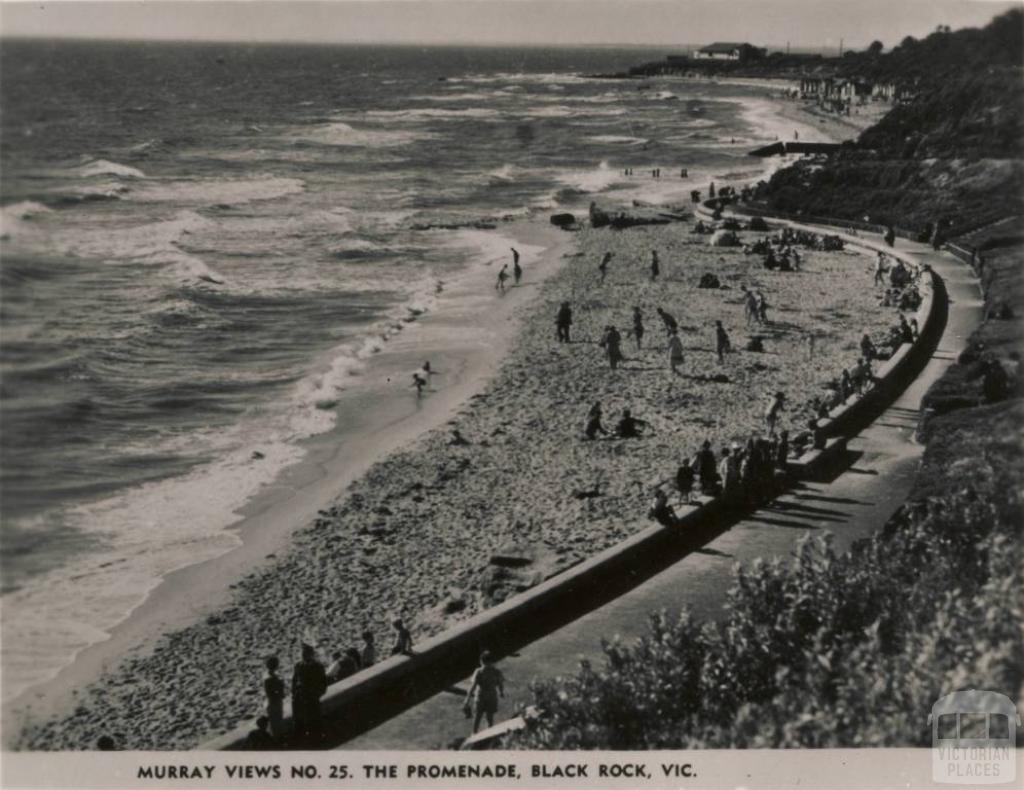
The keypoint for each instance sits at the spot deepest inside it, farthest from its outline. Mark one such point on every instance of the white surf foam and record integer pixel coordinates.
(342, 134)
(101, 167)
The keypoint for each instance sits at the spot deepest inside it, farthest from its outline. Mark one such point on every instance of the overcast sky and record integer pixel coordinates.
(807, 23)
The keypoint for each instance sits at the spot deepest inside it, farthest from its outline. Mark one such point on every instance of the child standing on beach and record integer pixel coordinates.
(603, 266)
(403, 640)
(273, 687)
(502, 276)
(655, 267)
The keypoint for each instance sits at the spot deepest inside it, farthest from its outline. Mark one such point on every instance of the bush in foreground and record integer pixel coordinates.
(825, 651)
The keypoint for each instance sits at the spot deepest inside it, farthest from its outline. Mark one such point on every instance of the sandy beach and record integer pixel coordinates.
(414, 536)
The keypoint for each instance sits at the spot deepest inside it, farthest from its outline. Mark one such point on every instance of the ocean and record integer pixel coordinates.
(204, 245)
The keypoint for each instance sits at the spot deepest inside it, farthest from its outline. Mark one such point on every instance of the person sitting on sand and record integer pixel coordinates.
(612, 344)
(661, 511)
(309, 682)
(517, 270)
(684, 479)
(259, 739)
(368, 655)
(502, 277)
(638, 327)
(629, 426)
(562, 322)
(771, 412)
(603, 266)
(486, 685)
(906, 333)
(722, 343)
(403, 639)
(655, 266)
(671, 325)
(707, 470)
(419, 382)
(594, 425)
(458, 440)
(675, 353)
(273, 688)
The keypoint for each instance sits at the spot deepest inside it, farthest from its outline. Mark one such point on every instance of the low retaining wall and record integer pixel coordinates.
(373, 695)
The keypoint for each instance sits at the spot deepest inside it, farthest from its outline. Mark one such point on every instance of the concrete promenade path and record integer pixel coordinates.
(882, 461)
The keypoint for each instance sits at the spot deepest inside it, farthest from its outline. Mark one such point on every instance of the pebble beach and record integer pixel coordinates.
(415, 535)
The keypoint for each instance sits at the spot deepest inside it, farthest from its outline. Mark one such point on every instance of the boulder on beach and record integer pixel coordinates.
(758, 224)
(709, 280)
(724, 238)
(564, 221)
(755, 343)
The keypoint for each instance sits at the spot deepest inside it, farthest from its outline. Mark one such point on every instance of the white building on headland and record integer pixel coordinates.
(726, 50)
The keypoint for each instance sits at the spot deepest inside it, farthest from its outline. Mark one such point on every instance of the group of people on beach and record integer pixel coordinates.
(742, 476)
(309, 682)
(504, 276)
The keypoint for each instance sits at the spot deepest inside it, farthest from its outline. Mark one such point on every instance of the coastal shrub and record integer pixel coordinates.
(828, 650)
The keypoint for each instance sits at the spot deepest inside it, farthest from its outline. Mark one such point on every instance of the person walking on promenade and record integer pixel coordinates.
(771, 412)
(675, 353)
(485, 687)
(722, 343)
(309, 682)
(502, 277)
(655, 267)
(562, 322)
(403, 640)
(603, 266)
(890, 236)
(671, 325)
(273, 688)
(368, 655)
(517, 270)
(638, 327)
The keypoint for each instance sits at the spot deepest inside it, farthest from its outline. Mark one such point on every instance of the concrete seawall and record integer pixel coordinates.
(370, 697)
